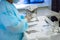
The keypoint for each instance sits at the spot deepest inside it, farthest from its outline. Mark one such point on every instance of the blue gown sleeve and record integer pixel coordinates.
(11, 20)
(14, 25)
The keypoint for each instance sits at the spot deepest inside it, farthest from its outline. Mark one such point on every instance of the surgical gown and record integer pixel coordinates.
(12, 24)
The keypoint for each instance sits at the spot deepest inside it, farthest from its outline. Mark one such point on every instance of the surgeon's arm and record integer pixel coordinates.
(19, 28)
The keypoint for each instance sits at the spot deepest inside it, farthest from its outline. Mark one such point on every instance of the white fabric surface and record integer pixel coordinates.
(44, 32)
